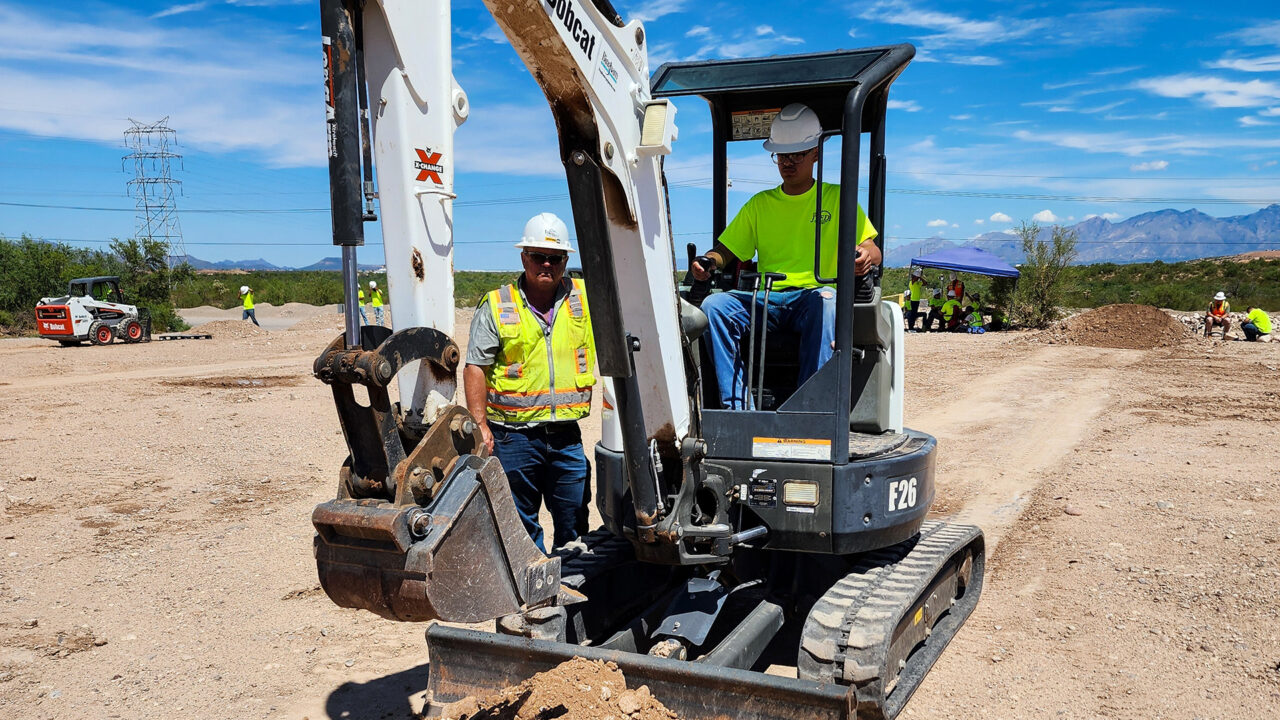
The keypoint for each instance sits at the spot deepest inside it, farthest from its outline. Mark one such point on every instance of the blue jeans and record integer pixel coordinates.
(247, 314)
(364, 319)
(809, 312)
(377, 315)
(545, 462)
(1251, 331)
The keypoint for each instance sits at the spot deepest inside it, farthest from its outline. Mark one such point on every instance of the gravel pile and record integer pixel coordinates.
(230, 329)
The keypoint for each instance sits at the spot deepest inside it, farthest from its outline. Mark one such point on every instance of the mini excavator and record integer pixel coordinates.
(790, 536)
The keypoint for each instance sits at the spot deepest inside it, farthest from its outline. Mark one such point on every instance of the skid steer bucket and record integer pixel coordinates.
(471, 663)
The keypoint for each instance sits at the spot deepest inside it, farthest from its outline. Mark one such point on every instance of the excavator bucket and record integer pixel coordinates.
(471, 663)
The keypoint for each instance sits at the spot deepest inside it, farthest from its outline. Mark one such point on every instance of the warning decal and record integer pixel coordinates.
(428, 166)
(790, 448)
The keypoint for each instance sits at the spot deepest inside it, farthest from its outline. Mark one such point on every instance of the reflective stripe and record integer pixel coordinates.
(575, 302)
(508, 312)
(582, 360)
(539, 400)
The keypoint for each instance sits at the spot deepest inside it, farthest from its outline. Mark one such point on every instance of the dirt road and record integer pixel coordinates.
(155, 542)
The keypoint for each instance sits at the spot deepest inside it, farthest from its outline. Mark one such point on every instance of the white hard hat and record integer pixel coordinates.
(794, 129)
(1220, 296)
(545, 231)
(917, 270)
(951, 293)
(373, 284)
(244, 289)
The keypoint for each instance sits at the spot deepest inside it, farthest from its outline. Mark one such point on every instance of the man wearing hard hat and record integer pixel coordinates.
(246, 297)
(375, 299)
(915, 288)
(528, 380)
(777, 227)
(1217, 316)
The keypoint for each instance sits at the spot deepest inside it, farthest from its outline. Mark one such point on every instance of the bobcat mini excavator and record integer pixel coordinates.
(793, 535)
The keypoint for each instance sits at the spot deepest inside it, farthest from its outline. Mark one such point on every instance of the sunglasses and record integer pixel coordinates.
(545, 259)
(788, 158)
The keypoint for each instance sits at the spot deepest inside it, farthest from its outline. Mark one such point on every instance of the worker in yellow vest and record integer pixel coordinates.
(1257, 326)
(375, 299)
(364, 319)
(915, 286)
(246, 297)
(951, 312)
(529, 374)
(1218, 315)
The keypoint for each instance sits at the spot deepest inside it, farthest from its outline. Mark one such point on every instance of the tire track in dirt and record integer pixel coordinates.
(999, 439)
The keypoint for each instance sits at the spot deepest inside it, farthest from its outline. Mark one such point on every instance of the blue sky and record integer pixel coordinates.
(1011, 111)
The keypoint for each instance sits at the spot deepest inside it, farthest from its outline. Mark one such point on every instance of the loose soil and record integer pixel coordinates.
(1135, 327)
(578, 689)
(173, 520)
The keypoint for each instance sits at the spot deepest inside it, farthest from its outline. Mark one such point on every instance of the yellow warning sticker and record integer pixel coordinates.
(919, 616)
(790, 448)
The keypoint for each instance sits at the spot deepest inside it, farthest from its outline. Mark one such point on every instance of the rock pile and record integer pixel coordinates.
(230, 329)
(578, 689)
(1134, 327)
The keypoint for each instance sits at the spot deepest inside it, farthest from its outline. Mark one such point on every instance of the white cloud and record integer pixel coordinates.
(698, 31)
(1000, 217)
(937, 223)
(1270, 112)
(490, 142)
(955, 225)
(224, 89)
(907, 105)
(1151, 166)
(979, 221)
(179, 9)
(1251, 121)
(980, 60)
(1214, 91)
(748, 42)
(1045, 216)
(655, 9)
(949, 29)
(1269, 63)
(1125, 144)
(961, 117)
(1112, 216)
(1267, 33)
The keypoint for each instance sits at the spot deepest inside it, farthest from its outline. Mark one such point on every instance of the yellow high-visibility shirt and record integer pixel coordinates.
(778, 228)
(1261, 320)
(248, 300)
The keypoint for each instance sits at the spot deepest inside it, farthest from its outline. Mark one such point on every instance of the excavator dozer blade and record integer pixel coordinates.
(465, 557)
(470, 663)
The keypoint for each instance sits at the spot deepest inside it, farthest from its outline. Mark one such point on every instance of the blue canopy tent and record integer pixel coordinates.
(968, 259)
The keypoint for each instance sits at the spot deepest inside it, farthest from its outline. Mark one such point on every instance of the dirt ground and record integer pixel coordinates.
(155, 536)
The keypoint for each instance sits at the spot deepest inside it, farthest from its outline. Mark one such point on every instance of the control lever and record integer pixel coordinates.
(698, 289)
(769, 279)
(754, 279)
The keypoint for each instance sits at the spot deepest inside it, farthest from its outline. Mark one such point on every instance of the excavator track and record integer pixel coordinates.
(881, 627)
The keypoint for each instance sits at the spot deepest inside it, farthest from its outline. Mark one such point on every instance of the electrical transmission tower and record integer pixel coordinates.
(152, 186)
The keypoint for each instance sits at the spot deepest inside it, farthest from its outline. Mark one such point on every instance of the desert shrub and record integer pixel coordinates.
(1039, 293)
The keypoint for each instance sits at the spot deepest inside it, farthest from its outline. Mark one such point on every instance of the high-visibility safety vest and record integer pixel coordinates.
(949, 309)
(377, 298)
(1219, 309)
(248, 300)
(540, 375)
(916, 287)
(360, 295)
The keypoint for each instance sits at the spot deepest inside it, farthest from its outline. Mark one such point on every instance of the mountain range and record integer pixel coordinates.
(1166, 235)
(329, 263)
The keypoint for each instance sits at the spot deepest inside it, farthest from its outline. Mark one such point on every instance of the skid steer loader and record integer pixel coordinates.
(792, 535)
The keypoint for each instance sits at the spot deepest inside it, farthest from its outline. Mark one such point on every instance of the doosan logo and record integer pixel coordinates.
(566, 14)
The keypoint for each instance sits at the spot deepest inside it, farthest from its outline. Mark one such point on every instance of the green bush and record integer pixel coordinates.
(1037, 298)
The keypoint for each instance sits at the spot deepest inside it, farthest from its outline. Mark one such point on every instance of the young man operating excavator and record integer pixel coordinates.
(777, 226)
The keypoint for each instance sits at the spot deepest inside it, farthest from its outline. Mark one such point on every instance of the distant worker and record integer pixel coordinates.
(951, 312)
(364, 319)
(1257, 326)
(973, 320)
(915, 285)
(528, 397)
(935, 311)
(956, 286)
(777, 227)
(1217, 316)
(375, 299)
(247, 296)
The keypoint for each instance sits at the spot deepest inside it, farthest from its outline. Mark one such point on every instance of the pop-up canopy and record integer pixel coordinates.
(968, 259)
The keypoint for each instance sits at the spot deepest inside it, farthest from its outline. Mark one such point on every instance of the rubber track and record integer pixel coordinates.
(847, 633)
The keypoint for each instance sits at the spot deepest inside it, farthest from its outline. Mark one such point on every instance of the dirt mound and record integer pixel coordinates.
(578, 689)
(1132, 327)
(230, 329)
(234, 382)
